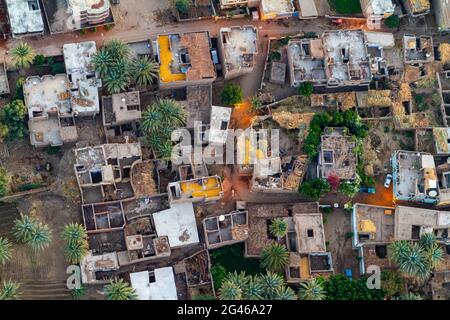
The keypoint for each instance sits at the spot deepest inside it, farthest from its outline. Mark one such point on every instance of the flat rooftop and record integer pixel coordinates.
(337, 156)
(198, 104)
(62, 19)
(49, 131)
(78, 56)
(414, 174)
(418, 49)
(306, 60)
(346, 56)
(162, 288)
(196, 189)
(25, 16)
(48, 94)
(376, 224)
(89, 6)
(178, 224)
(310, 232)
(185, 57)
(220, 119)
(277, 6)
(419, 6)
(240, 47)
(104, 164)
(260, 216)
(233, 228)
(91, 264)
(121, 108)
(407, 218)
(307, 8)
(381, 7)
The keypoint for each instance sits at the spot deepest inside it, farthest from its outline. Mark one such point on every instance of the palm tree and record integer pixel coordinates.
(434, 254)
(240, 279)
(117, 78)
(23, 56)
(165, 113)
(271, 284)
(102, 62)
(253, 289)
(74, 233)
(78, 294)
(5, 250)
(42, 237)
(144, 70)
(278, 228)
(414, 262)
(76, 244)
(23, 228)
(9, 291)
(75, 252)
(119, 290)
(427, 240)
(174, 114)
(230, 291)
(151, 120)
(285, 293)
(117, 50)
(397, 250)
(311, 290)
(274, 257)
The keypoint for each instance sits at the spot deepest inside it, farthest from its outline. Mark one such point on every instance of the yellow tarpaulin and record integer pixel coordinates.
(165, 54)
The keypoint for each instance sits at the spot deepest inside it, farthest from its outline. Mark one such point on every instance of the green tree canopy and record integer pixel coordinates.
(278, 228)
(41, 236)
(391, 282)
(312, 290)
(23, 56)
(315, 188)
(232, 94)
(119, 290)
(144, 70)
(9, 290)
(158, 123)
(182, 5)
(4, 182)
(75, 242)
(230, 291)
(305, 89)
(340, 287)
(274, 257)
(393, 21)
(417, 259)
(350, 188)
(12, 115)
(32, 232)
(23, 228)
(5, 250)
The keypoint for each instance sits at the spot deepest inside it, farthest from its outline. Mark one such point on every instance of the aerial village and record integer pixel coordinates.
(116, 118)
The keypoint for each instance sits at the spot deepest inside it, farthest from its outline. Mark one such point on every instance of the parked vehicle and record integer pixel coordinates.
(388, 181)
(367, 190)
